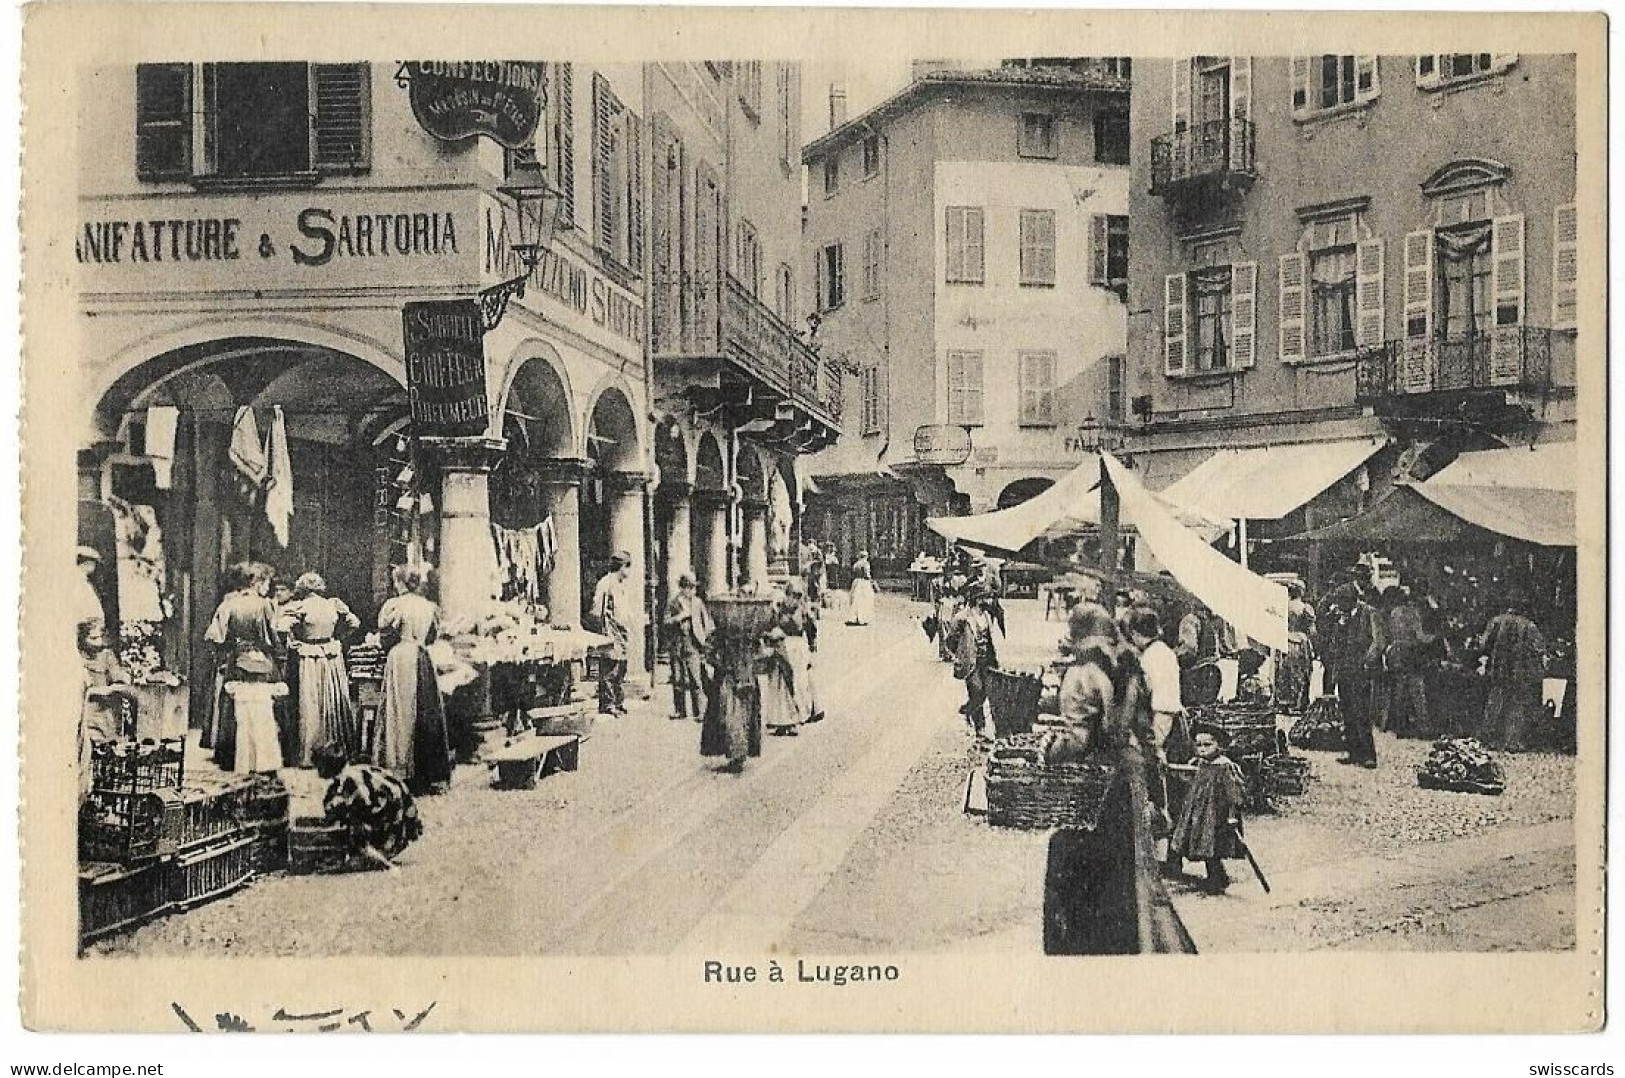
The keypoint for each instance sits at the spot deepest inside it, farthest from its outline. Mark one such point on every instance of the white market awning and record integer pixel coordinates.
(1267, 482)
(1251, 603)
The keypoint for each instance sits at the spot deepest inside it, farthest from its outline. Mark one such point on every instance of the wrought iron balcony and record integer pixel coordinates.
(1213, 153)
(1505, 358)
(767, 373)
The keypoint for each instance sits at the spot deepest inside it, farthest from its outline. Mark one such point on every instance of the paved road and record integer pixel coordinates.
(848, 838)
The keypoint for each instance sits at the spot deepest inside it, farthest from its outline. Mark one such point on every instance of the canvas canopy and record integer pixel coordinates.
(1267, 482)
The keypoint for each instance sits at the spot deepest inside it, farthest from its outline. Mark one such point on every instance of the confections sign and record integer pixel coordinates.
(445, 367)
(458, 99)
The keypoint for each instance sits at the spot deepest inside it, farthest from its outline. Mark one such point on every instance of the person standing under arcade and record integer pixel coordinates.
(613, 607)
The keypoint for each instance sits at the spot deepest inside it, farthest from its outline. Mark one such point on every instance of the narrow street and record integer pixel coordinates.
(851, 838)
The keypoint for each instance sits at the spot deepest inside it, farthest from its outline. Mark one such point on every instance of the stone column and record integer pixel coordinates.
(625, 491)
(712, 531)
(679, 543)
(467, 574)
(561, 480)
(755, 549)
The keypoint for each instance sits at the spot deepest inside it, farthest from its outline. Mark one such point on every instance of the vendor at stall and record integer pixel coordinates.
(317, 625)
(243, 730)
(412, 739)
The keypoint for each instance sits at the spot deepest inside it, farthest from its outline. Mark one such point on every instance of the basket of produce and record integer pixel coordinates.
(1250, 729)
(1320, 728)
(1461, 765)
(1026, 792)
(131, 765)
(1284, 776)
(1013, 699)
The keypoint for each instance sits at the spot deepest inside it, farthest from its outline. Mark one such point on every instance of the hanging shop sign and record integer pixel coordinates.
(445, 367)
(455, 100)
(945, 444)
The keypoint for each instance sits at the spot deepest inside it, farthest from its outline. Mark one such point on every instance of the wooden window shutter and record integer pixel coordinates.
(1368, 294)
(1099, 250)
(954, 244)
(340, 98)
(1292, 308)
(1506, 258)
(1241, 88)
(820, 297)
(163, 121)
(634, 193)
(1181, 96)
(1244, 312)
(1300, 85)
(1419, 285)
(1366, 85)
(974, 262)
(603, 152)
(1566, 266)
(662, 288)
(707, 274)
(564, 128)
(956, 387)
(973, 387)
(1173, 323)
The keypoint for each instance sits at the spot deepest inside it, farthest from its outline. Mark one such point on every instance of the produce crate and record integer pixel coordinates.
(270, 851)
(130, 765)
(129, 828)
(1285, 776)
(1013, 698)
(205, 872)
(315, 845)
(213, 813)
(115, 897)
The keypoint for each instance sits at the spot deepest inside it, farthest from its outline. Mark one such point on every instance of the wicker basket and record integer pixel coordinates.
(1285, 776)
(113, 897)
(1013, 699)
(208, 872)
(1024, 793)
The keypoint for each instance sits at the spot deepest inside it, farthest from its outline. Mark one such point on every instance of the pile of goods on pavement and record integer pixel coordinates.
(1027, 791)
(1320, 728)
(153, 839)
(1463, 765)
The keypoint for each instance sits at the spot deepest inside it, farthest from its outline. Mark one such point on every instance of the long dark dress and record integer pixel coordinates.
(1517, 663)
(244, 632)
(412, 739)
(733, 718)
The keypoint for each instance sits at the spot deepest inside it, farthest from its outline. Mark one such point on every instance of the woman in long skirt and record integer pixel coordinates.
(863, 591)
(412, 739)
(325, 714)
(1293, 670)
(245, 638)
(786, 662)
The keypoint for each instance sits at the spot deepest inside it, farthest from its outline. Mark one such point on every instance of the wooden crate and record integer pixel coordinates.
(210, 871)
(115, 897)
(315, 844)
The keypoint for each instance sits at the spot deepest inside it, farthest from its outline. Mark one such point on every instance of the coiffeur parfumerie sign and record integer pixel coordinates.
(458, 99)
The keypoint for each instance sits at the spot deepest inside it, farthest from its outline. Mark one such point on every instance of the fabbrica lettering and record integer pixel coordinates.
(371, 235)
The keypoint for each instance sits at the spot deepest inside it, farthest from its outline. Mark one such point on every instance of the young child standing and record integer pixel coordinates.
(1210, 819)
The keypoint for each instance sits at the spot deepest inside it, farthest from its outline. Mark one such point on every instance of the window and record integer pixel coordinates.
(1111, 137)
(617, 177)
(1108, 252)
(785, 294)
(1036, 136)
(1210, 319)
(1332, 295)
(1462, 286)
(748, 258)
(749, 77)
(1119, 67)
(789, 79)
(1038, 247)
(1211, 322)
(871, 157)
(1322, 83)
(1116, 388)
(559, 126)
(260, 121)
(874, 245)
(869, 391)
(965, 388)
(1037, 376)
(965, 247)
(1465, 280)
(1445, 69)
(830, 271)
(832, 175)
(1566, 266)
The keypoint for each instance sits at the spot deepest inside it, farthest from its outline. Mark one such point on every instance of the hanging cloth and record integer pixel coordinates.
(279, 493)
(548, 542)
(247, 451)
(163, 422)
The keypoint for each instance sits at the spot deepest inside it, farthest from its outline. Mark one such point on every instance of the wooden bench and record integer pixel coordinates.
(525, 759)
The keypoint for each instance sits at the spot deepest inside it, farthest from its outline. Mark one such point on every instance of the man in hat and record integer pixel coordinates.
(1354, 652)
(970, 642)
(1210, 818)
(689, 626)
(614, 606)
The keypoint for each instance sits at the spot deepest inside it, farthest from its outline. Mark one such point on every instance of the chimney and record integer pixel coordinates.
(837, 104)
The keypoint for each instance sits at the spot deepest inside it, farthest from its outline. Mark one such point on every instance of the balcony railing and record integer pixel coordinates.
(1211, 151)
(759, 341)
(1506, 357)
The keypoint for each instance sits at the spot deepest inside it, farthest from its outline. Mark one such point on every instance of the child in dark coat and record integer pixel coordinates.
(1210, 818)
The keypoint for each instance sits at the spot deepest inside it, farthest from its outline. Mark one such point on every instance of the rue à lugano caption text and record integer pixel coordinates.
(801, 971)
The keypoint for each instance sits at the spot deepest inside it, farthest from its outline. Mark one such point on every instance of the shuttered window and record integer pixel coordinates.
(1037, 377)
(829, 270)
(869, 389)
(1566, 266)
(1244, 314)
(341, 95)
(163, 124)
(965, 388)
(1419, 285)
(617, 177)
(1321, 83)
(1038, 247)
(561, 110)
(1371, 314)
(873, 254)
(1174, 331)
(1446, 69)
(1108, 251)
(1507, 258)
(964, 245)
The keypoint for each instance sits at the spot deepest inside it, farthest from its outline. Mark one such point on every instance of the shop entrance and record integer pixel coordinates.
(177, 489)
(612, 502)
(533, 494)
